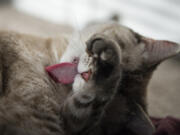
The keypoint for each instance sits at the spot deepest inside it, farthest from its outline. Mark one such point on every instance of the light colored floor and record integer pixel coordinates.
(164, 89)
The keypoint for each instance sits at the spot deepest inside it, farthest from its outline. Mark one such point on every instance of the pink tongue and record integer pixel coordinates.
(63, 73)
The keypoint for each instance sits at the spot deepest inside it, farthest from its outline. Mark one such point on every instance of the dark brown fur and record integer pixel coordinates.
(128, 110)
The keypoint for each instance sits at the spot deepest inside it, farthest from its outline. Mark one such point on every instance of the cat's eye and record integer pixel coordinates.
(76, 60)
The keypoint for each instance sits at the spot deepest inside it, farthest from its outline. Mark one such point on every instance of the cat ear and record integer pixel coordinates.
(140, 123)
(155, 51)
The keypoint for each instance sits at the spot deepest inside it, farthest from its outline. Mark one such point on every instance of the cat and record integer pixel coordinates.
(114, 97)
(140, 57)
(32, 103)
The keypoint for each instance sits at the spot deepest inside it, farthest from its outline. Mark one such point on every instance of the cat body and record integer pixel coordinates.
(121, 62)
(32, 103)
(26, 89)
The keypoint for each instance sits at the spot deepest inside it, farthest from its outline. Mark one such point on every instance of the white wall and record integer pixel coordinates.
(155, 18)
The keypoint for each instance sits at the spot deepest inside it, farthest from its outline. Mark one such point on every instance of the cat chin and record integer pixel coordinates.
(79, 83)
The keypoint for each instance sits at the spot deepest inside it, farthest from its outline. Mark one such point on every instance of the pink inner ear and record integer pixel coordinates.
(63, 73)
(159, 50)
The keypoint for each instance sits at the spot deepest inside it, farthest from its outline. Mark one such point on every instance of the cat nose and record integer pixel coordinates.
(86, 75)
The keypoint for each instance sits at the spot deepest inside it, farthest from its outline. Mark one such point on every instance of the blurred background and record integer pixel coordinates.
(158, 19)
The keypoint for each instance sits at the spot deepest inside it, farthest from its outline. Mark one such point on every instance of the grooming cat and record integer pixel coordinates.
(32, 103)
(140, 57)
(37, 105)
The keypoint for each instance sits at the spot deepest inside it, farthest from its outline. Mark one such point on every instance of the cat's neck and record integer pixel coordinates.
(134, 85)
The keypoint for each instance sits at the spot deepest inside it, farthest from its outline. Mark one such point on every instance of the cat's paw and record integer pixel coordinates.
(105, 52)
(104, 49)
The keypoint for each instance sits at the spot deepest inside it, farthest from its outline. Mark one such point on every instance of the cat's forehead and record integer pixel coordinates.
(128, 42)
(108, 29)
(124, 36)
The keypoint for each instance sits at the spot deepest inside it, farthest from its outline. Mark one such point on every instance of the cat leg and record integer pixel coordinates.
(140, 123)
(85, 106)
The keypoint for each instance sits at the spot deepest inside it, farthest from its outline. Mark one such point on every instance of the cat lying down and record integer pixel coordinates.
(112, 99)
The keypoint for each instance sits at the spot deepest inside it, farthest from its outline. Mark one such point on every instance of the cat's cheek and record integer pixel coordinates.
(85, 63)
(79, 83)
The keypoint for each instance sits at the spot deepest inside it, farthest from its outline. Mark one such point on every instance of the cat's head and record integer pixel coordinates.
(96, 58)
(138, 52)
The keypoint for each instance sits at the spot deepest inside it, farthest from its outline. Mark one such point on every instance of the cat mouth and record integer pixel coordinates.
(65, 73)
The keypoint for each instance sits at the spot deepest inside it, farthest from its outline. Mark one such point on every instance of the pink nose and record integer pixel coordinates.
(86, 75)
